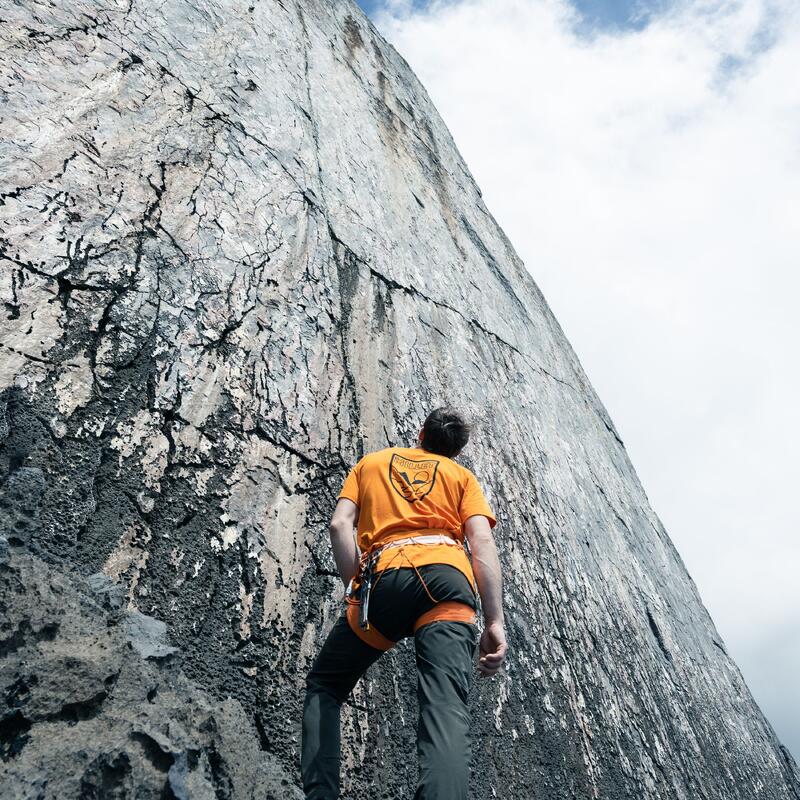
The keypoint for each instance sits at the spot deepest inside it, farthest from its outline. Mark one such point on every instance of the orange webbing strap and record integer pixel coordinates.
(449, 610)
(371, 636)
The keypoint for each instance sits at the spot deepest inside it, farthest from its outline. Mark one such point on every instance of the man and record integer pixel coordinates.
(414, 508)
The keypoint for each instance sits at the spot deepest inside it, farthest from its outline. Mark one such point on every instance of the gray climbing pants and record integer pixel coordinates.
(445, 652)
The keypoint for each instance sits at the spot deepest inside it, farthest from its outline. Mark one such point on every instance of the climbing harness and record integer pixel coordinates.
(361, 585)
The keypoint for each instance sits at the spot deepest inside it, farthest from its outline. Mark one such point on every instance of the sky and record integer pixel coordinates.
(644, 159)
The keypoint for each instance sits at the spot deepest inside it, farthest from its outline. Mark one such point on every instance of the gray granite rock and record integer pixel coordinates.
(239, 249)
(147, 635)
(86, 716)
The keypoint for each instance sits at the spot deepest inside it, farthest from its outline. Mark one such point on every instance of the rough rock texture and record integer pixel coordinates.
(96, 705)
(240, 249)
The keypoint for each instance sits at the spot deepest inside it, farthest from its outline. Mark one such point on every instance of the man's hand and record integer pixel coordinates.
(493, 649)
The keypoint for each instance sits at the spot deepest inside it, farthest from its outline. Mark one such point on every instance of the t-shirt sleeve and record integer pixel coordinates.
(350, 487)
(473, 502)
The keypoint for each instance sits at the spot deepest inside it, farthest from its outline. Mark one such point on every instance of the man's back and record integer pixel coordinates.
(408, 490)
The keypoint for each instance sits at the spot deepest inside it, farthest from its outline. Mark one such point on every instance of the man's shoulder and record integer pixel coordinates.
(388, 452)
(445, 466)
(415, 454)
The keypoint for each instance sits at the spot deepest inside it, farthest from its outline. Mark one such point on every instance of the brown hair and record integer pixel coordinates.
(445, 432)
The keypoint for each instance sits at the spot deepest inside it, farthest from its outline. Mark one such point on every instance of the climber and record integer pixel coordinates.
(416, 511)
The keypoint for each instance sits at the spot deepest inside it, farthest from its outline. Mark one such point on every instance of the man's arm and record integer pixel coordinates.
(486, 566)
(345, 552)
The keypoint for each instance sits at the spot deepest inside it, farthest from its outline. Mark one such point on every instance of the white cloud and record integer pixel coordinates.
(650, 180)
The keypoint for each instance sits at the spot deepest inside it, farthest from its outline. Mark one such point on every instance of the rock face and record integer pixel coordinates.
(239, 250)
(95, 706)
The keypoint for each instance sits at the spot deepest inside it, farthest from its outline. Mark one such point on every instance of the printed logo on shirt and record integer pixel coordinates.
(412, 479)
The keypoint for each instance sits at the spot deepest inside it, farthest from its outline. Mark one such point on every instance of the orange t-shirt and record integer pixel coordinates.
(407, 491)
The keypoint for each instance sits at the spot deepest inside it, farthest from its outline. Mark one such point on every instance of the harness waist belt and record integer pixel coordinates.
(423, 538)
